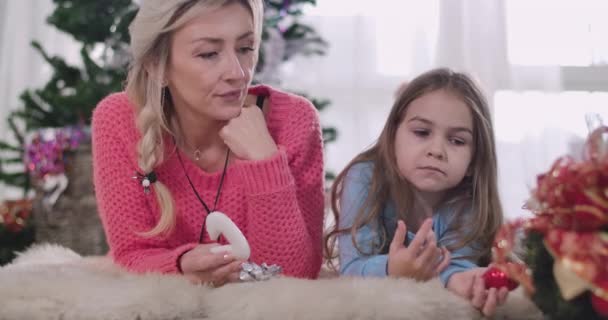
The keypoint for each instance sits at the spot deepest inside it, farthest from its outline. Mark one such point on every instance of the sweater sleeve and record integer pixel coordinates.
(123, 206)
(285, 198)
(458, 263)
(460, 258)
(352, 261)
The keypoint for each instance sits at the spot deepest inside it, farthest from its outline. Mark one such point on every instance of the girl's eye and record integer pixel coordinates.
(458, 141)
(421, 132)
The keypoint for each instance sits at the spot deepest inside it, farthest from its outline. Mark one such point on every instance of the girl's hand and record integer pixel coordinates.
(247, 135)
(470, 285)
(203, 267)
(422, 259)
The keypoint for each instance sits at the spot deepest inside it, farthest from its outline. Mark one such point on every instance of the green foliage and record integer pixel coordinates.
(70, 95)
(547, 296)
(92, 22)
(101, 28)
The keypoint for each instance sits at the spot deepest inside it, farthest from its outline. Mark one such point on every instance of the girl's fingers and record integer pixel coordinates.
(429, 255)
(430, 238)
(490, 304)
(445, 260)
(421, 236)
(503, 293)
(399, 237)
(479, 292)
(436, 261)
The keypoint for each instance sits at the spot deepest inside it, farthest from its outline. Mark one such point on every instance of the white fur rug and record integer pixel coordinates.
(51, 282)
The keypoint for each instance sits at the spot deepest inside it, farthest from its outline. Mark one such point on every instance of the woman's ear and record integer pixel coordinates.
(152, 69)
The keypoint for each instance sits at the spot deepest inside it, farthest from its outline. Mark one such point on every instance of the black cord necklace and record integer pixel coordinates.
(260, 103)
(200, 199)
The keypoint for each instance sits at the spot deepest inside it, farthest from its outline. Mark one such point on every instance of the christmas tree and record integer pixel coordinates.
(69, 97)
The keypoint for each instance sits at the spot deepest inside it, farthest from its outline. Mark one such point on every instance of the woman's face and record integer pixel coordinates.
(211, 62)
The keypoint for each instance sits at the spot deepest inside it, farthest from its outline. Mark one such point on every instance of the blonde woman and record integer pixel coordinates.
(186, 138)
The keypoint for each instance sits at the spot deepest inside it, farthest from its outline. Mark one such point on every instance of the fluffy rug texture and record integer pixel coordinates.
(52, 282)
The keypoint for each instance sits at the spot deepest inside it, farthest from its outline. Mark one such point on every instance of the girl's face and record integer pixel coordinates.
(434, 143)
(211, 63)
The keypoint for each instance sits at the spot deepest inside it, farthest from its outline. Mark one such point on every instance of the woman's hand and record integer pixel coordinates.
(247, 135)
(422, 259)
(203, 267)
(471, 286)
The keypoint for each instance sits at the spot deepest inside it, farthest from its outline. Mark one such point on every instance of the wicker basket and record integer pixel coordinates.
(73, 221)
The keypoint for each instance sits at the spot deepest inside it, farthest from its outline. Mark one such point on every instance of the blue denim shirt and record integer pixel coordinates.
(352, 262)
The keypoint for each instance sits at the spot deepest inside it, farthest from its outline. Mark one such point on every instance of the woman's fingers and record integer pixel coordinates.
(222, 273)
(218, 276)
(234, 277)
(195, 278)
(213, 261)
(200, 259)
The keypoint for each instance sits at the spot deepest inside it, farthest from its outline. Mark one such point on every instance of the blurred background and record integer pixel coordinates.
(542, 64)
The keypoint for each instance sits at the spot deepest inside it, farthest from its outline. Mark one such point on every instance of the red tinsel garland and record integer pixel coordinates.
(570, 205)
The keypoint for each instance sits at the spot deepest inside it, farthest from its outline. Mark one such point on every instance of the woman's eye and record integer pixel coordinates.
(246, 49)
(208, 55)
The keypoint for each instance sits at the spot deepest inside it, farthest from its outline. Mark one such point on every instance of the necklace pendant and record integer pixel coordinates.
(197, 154)
(218, 224)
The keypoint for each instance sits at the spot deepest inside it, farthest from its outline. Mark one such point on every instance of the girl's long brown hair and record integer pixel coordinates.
(477, 192)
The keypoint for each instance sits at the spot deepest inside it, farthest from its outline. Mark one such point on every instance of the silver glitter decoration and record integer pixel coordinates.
(254, 272)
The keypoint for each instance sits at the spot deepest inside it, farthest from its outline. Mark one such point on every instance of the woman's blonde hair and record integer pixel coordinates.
(477, 192)
(150, 33)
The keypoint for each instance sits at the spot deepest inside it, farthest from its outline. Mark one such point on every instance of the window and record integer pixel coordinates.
(537, 113)
(406, 37)
(558, 59)
(405, 31)
(550, 32)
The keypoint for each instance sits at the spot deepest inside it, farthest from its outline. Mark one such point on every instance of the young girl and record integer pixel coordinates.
(434, 168)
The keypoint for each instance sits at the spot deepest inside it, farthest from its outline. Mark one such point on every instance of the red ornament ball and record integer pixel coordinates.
(495, 278)
(599, 305)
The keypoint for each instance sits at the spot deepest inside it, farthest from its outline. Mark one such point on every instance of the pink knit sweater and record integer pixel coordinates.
(277, 202)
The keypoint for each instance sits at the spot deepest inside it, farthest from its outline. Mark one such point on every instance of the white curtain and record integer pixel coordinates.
(374, 49)
(472, 38)
(358, 74)
(21, 66)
